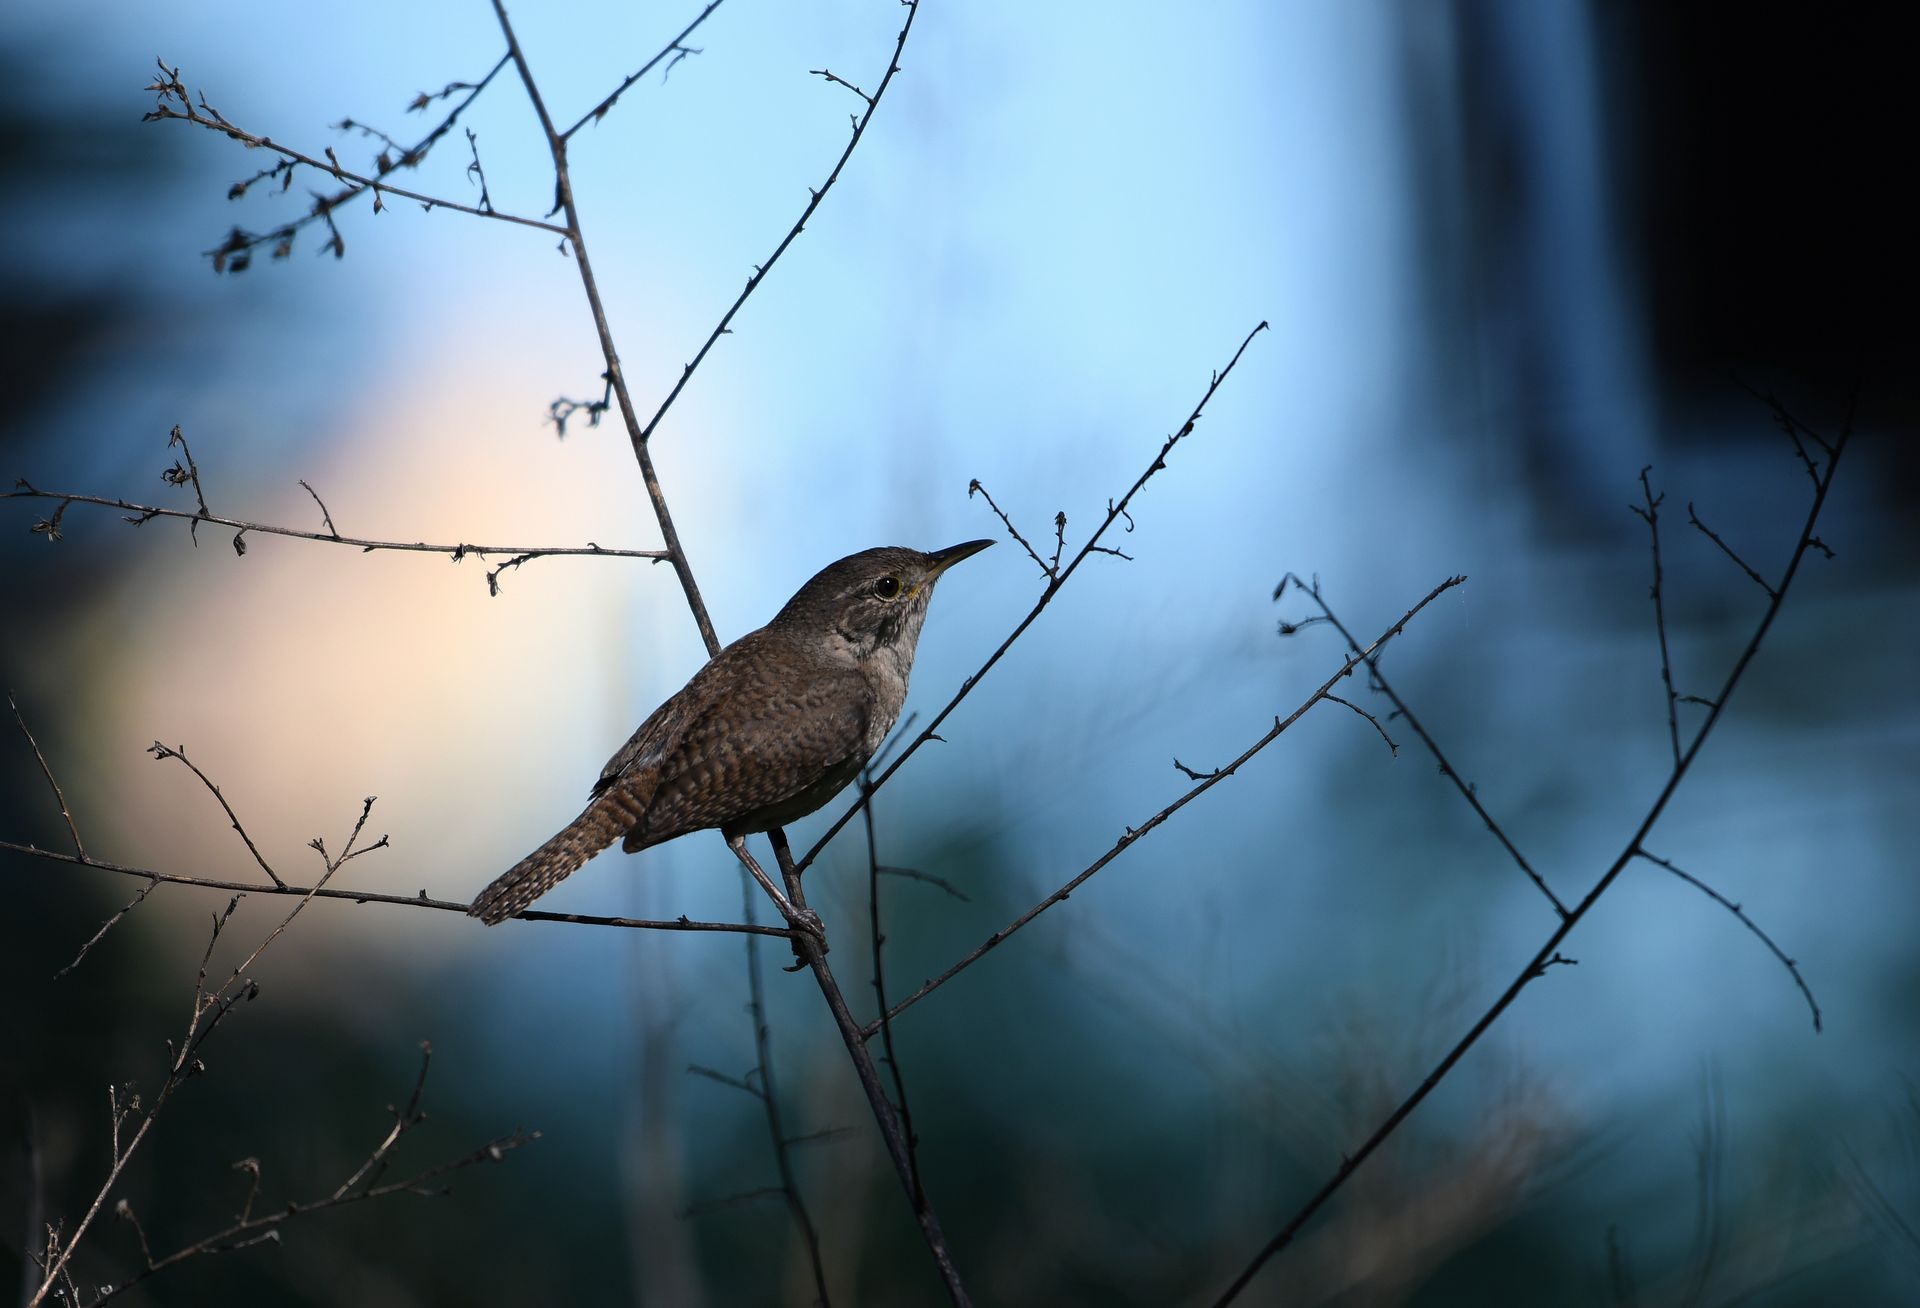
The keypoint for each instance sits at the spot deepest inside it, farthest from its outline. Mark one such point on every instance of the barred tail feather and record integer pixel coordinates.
(546, 867)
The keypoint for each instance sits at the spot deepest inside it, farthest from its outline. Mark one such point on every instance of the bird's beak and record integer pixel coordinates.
(940, 560)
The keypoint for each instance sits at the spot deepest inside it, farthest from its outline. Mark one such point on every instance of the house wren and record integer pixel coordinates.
(767, 732)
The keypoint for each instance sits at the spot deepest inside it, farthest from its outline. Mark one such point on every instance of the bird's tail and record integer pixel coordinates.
(546, 867)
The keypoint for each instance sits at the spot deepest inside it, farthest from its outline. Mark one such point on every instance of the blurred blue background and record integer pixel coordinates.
(1510, 253)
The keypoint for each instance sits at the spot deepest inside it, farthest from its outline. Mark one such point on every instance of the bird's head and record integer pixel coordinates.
(873, 600)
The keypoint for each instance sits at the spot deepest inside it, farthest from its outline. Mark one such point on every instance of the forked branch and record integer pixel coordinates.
(1132, 834)
(1116, 511)
(1549, 952)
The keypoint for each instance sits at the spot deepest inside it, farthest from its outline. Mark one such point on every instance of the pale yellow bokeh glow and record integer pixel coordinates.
(304, 676)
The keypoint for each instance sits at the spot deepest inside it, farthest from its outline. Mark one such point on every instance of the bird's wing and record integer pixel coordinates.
(645, 746)
(658, 735)
(763, 746)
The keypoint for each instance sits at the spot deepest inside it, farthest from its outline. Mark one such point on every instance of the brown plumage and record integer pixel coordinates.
(767, 732)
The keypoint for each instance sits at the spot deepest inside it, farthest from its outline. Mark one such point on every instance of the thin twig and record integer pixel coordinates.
(59, 796)
(1537, 965)
(251, 1230)
(770, 1100)
(676, 553)
(1793, 968)
(1133, 834)
(1369, 717)
(235, 253)
(975, 488)
(332, 531)
(209, 1007)
(162, 752)
(838, 80)
(673, 47)
(107, 926)
(1650, 514)
(1727, 549)
(879, 940)
(761, 269)
(372, 897)
(715, 1075)
(175, 102)
(179, 476)
(814, 957)
(147, 512)
(941, 883)
(1115, 512)
(1405, 712)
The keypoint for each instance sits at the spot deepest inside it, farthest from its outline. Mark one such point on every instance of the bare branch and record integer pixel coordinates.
(813, 956)
(1793, 968)
(1335, 699)
(838, 80)
(770, 1102)
(107, 926)
(1115, 512)
(325, 517)
(939, 882)
(1727, 549)
(879, 941)
(478, 174)
(59, 796)
(1403, 711)
(249, 1230)
(765, 266)
(734, 1082)
(674, 48)
(162, 752)
(1133, 834)
(179, 476)
(974, 487)
(1651, 515)
(616, 377)
(459, 552)
(175, 102)
(372, 897)
(1549, 951)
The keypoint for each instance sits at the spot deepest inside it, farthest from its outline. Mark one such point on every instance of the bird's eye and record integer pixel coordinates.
(887, 587)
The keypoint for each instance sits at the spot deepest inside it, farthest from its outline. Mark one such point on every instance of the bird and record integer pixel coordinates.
(774, 726)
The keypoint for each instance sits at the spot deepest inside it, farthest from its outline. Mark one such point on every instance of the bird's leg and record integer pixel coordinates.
(798, 916)
(789, 871)
(796, 893)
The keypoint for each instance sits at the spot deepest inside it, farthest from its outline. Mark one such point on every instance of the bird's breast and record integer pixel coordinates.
(886, 674)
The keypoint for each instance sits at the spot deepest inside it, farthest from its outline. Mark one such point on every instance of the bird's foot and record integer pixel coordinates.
(808, 921)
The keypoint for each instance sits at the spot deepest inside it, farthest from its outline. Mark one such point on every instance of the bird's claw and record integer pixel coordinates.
(805, 919)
